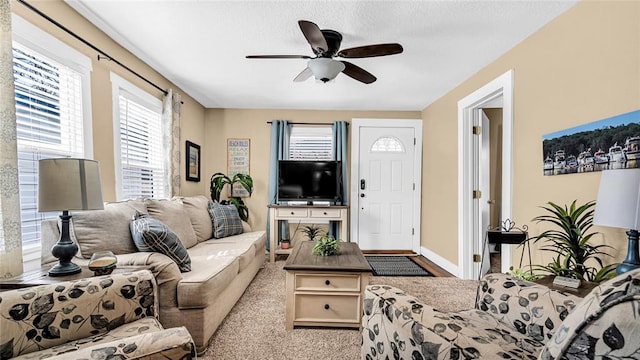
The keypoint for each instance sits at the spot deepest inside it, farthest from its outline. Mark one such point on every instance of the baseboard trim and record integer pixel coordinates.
(440, 261)
(389, 252)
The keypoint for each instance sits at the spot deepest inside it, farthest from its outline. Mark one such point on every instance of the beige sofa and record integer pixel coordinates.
(221, 269)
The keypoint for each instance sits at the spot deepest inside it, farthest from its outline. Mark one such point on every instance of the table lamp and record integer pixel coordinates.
(66, 184)
(618, 205)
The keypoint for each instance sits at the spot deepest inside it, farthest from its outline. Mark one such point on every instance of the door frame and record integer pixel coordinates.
(502, 86)
(356, 124)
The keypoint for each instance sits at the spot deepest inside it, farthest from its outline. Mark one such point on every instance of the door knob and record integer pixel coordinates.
(362, 195)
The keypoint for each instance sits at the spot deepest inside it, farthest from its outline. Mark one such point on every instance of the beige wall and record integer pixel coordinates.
(581, 67)
(192, 111)
(252, 124)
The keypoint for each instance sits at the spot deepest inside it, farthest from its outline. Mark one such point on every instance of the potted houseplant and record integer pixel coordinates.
(217, 183)
(519, 273)
(569, 239)
(312, 232)
(327, 245)
(285, 243)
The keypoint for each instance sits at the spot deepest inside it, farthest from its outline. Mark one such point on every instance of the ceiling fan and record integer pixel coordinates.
(326, 45)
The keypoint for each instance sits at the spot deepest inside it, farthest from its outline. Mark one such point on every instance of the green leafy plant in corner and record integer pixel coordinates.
(569, 241)
(312, 232)
(327, 245)
(217, 184)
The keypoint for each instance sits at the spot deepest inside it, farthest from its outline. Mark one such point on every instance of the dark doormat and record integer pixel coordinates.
(395, 266)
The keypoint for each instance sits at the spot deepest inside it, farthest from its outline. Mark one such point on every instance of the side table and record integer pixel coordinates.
(584, 289)
(41, 277)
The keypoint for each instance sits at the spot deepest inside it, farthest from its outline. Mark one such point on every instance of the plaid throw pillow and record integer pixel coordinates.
(151, 234)
(225, 220)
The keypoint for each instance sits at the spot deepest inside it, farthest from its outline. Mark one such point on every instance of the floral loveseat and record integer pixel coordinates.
(220, 268)
(513, 319)
(107, 317)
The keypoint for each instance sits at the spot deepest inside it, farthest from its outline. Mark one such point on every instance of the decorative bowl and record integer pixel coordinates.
(102, 262)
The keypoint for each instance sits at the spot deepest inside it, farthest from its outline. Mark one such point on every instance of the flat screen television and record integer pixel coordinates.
(303, 180)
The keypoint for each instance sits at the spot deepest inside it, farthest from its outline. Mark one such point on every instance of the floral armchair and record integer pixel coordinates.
(513, 319)
(113, 316)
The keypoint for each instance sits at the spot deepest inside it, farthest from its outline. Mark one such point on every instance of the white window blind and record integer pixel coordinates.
(49, 116)
(142, 168)
(310, 143)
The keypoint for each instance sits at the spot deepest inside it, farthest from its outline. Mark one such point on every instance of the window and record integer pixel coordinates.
(310, 143)
(52, 100)
(387, 144)
(140, 171)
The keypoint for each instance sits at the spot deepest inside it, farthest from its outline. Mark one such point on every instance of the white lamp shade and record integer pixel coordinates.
(325, 69)
(618, 203)
(69, 184)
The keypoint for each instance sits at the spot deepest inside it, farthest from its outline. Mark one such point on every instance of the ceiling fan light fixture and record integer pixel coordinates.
(325, 69)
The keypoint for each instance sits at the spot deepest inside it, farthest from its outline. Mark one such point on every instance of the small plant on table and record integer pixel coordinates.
(326, 246)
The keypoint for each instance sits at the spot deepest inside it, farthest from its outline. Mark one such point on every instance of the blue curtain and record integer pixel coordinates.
(280, 130)
(339, 131)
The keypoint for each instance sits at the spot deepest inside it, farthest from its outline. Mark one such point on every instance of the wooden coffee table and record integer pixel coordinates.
(41, 276)
(325, 290)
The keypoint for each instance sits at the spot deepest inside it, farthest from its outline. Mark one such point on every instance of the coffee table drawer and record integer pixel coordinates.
(327, 282)
(327, 308)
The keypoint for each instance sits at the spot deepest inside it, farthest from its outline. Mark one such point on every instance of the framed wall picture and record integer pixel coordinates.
(611, 143)
(193, 161)
(238, 162)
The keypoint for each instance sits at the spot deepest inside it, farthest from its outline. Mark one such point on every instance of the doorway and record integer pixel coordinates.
(474, 205)
(386, 172)
(491, 160)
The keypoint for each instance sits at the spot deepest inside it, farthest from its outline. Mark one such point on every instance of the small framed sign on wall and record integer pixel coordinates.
(238, 163)
(193, 161)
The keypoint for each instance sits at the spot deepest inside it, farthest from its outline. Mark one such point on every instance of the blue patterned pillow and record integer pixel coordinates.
(151, 234)
(225, 220)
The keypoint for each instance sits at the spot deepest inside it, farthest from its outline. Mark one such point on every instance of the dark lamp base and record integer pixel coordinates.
(64, 250)
(625, 267)
(633, 256)
(64, 269)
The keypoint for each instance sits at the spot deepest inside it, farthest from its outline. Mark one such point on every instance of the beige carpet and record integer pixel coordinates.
(254, 329)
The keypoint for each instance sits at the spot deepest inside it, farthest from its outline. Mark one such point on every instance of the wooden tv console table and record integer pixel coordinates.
(306, 213)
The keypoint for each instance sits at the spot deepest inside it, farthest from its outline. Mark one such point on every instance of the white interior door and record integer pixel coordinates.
(386, 188)
(483, 154)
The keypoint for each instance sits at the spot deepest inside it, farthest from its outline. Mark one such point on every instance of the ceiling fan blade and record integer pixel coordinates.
(314, 36)
(304, 75)
(278, 57)
(358, 73)
(371, 51)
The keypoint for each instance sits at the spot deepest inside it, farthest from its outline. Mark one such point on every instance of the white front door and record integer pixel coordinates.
(385, 188)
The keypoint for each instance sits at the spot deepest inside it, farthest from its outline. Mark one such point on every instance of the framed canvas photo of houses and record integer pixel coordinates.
(192, 161)
(611, 143)
(238, 163)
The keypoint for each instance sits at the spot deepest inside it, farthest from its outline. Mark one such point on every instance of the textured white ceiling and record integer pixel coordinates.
(201, 45)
